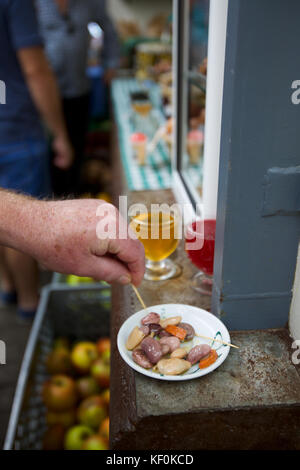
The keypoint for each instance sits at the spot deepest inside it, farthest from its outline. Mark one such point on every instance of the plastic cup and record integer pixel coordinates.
(139, 145)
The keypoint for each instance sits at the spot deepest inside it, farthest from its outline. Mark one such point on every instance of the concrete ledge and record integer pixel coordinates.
(252, 401)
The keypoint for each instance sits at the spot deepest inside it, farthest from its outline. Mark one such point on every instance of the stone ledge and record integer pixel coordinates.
(260, 373)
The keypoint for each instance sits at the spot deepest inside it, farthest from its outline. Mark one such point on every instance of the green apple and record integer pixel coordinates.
(95, 442)
(76, 436)
(59, 393)
(87, 386)
(91, 411)
(72, 280)
(105, 356)
(103, 345)
(100, 370)
(83, 355)
(86, 280)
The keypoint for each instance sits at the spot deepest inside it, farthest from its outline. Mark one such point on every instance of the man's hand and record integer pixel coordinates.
(62, 236)
(63, 153)
(72, 244)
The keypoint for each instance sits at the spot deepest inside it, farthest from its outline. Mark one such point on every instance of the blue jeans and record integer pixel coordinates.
(24, 167)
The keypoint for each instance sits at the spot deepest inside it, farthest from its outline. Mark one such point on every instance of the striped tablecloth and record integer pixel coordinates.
(157, 173)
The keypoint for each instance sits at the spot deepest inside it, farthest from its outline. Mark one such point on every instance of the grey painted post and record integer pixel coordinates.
(258, 223)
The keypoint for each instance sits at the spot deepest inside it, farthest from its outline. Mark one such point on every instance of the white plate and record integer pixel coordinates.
(204, 324)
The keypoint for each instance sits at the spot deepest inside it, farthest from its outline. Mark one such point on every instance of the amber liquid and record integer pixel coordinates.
(142, 108)
(157, 232)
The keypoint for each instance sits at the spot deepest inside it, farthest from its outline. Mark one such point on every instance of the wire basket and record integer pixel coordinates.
(78, 313)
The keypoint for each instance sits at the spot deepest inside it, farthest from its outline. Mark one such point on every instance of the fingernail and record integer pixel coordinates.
(124, 280)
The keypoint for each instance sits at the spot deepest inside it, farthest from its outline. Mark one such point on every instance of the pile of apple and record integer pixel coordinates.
(77, 396)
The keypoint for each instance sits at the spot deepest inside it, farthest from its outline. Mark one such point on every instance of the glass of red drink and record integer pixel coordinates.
(202, 254)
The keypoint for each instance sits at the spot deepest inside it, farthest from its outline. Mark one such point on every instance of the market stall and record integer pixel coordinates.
(179, 137)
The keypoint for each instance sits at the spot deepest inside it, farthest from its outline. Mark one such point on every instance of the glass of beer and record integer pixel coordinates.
(143, 108)
(158, 231)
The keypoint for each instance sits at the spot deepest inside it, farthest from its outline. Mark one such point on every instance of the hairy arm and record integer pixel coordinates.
(62, 236)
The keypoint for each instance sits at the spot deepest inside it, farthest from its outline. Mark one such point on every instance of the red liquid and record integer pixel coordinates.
(204, 258)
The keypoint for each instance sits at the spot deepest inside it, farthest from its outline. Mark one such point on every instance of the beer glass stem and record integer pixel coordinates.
(155, 265)
(161, 270)
(202, 283)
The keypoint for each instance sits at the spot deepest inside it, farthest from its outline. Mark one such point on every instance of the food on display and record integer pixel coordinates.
(208, 360)
(165, 345)
(104, 428)
(139, 146)
(59, 361)
(65, 418)
(103, 345)
(59, 393)
(95, 442)
(100, 370)
(149, 55)
(91, 411)
(76, 436)
(77, 405)
(195, 141)
(87, 386)
(83, 355)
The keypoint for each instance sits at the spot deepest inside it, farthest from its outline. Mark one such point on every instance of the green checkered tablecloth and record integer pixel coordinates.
(156, 174)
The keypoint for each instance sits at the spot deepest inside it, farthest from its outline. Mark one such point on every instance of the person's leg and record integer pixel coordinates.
(23, 168)
(6, 278)
(76, 112)
(24, 272)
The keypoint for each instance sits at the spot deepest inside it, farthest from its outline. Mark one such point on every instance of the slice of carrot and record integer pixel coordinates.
(180, 333)
(209, 359)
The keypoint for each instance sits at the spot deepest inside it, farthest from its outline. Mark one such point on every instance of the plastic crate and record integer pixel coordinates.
(78, 313)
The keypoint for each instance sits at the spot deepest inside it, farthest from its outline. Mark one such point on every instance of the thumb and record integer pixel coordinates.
(111, 270)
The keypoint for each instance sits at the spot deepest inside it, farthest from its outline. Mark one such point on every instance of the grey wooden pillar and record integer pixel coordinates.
(258, 222)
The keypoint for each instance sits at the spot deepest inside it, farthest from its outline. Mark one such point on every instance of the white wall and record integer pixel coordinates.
(140, 11)
(294, 322)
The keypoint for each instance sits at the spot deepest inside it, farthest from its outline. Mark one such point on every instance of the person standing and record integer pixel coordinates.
(64, 27)
(31, 96)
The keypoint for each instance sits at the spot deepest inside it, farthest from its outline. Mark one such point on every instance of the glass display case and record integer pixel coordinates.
(191, 37)
(198, 68)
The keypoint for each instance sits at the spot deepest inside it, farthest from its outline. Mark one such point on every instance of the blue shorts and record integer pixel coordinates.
(24, 167)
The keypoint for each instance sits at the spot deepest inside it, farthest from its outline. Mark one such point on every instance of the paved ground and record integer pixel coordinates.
(14, 332)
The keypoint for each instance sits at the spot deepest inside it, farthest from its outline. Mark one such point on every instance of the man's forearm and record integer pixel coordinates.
(17, 220)
(43, 88)
(63, 236)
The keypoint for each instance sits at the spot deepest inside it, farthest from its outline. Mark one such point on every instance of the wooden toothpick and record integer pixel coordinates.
(218, 341)
(139, 296)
